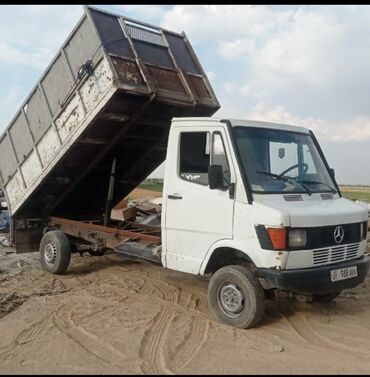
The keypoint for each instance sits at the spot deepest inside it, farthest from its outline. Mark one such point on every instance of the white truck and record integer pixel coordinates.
(252, 204)
(255, 205)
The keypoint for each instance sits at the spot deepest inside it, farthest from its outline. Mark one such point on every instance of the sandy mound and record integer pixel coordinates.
(108, 315)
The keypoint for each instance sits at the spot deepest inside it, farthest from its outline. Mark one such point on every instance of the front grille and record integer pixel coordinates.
(323, 236)
(335, 254)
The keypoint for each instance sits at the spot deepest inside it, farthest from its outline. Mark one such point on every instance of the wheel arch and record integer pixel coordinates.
(224, 256)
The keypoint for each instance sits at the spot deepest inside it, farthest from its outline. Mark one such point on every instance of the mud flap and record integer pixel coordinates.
(27, 234)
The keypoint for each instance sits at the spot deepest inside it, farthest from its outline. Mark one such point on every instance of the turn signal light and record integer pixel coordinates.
(277, 237)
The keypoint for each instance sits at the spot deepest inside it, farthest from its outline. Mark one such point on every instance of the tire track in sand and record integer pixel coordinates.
(193, 341)
(302, 327)
(91, 343)
(100, 315)
(152, 344)
(156, 340)
(167, 293)
(27, 335)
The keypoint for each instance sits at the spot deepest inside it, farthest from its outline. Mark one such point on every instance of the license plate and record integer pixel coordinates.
(343, 273)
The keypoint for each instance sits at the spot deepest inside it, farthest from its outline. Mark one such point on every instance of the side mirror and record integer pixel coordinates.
(332, 173)
(216, 177)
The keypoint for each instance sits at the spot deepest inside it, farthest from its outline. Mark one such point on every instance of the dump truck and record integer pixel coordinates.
(253, 205)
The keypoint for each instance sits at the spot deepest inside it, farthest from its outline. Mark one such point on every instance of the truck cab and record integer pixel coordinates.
(256, 205)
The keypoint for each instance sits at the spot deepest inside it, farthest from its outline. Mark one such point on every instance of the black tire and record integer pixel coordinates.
(326, 297)
(237, 287)
(55, 252)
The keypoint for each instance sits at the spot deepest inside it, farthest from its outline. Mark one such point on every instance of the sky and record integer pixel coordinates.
(302, 65)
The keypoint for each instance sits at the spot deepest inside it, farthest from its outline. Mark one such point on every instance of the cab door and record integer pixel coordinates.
(195, 216)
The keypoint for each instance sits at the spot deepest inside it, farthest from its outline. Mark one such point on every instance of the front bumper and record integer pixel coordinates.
(314, 280)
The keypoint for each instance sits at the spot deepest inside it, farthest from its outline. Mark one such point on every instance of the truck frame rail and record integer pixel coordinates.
(101, 237)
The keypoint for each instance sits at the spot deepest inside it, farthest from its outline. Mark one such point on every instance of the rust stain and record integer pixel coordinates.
(166, 79)
(197, 85)
(128, 71)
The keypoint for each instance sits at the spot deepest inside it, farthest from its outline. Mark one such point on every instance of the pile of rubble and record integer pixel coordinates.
(4, 214)
(145, 211)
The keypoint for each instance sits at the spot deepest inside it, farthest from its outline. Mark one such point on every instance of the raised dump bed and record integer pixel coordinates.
(109, 94)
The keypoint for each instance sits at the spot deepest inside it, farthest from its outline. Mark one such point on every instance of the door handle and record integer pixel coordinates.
(174, 197)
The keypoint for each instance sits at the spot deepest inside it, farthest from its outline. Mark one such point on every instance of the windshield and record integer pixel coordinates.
(277, 161)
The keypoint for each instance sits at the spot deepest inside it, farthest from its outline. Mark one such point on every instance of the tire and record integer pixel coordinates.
(55, 252)
(326, 297)
(236, 297)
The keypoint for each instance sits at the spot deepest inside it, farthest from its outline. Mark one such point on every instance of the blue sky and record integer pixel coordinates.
(303, 65)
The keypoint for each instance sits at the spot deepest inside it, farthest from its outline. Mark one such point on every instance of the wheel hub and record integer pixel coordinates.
(50, 252)
(231, 298)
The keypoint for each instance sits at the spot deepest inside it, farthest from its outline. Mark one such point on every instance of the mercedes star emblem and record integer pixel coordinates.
(338, 234)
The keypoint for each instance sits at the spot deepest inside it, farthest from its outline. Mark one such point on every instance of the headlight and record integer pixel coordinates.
(297, 237)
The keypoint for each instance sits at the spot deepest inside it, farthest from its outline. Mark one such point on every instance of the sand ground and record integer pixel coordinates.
(109, 315)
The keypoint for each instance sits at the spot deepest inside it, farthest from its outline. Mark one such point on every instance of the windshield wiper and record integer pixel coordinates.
(285, 178)
(334, 191)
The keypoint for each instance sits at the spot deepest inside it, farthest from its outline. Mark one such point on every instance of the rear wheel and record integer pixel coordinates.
(236, 297)
(326, 297)
(55, 252)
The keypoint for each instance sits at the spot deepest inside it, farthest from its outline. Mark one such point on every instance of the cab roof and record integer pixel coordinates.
(243, 123)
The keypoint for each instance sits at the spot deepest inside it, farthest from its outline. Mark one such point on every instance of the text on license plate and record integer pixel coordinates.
(343, 273)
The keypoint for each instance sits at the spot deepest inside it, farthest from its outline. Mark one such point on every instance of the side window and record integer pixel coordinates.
(219, 155)
(194, 157)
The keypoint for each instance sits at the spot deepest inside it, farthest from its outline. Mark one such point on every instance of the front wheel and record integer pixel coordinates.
(236, 297)
(55, 252)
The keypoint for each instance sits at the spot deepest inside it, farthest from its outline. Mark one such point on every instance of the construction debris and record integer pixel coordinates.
(4, 214)
(122, 211)
(153, 219)
(4, 240)
(10, 301)
(145, 211)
